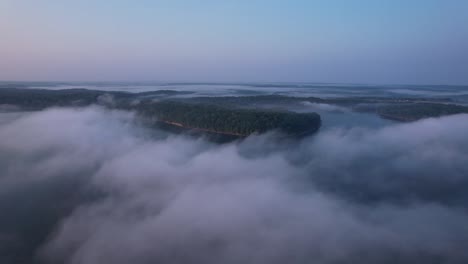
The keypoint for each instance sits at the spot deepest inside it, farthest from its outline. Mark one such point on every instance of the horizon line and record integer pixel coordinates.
(228, 82)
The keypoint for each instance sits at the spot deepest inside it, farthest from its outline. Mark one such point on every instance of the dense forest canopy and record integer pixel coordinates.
(201, 116)
(235, 121)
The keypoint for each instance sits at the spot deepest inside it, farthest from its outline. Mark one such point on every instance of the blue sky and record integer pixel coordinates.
(362, 41)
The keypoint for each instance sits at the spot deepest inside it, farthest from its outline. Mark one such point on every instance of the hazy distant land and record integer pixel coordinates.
(237, 116)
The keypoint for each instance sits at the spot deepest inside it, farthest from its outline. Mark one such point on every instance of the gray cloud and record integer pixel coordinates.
(426, 160)
(390, 195)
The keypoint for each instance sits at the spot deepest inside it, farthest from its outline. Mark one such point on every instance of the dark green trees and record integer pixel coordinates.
(235, 121)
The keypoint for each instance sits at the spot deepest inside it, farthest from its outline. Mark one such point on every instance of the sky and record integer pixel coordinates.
(338, 41)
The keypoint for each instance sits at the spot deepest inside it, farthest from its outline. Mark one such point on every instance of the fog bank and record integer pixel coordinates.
(113, 191)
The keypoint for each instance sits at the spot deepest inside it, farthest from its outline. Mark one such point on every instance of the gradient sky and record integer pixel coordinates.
(362, 41)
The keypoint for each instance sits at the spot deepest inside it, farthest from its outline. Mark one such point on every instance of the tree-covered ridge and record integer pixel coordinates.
(416, 111)
(395, 108)
(232, 121)
(341, 101)
(35, 99)
(210, 117)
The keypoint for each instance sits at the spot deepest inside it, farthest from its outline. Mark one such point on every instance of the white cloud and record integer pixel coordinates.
(342, 196)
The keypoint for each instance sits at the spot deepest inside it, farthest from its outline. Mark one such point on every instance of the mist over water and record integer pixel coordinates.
(90, 185)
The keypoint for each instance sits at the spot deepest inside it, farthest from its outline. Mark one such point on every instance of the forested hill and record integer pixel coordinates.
(230, 121)
(207, 117)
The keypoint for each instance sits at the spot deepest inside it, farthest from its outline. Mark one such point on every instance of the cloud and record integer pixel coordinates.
(425, 160)
(390, 195)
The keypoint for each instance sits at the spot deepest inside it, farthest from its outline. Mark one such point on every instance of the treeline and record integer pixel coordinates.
(416, 111)
(205, 116)
(351, 102)
(234, 121)
(36, 99)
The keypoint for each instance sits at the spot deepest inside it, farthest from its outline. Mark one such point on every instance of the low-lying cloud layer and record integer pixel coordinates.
(88, 186)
